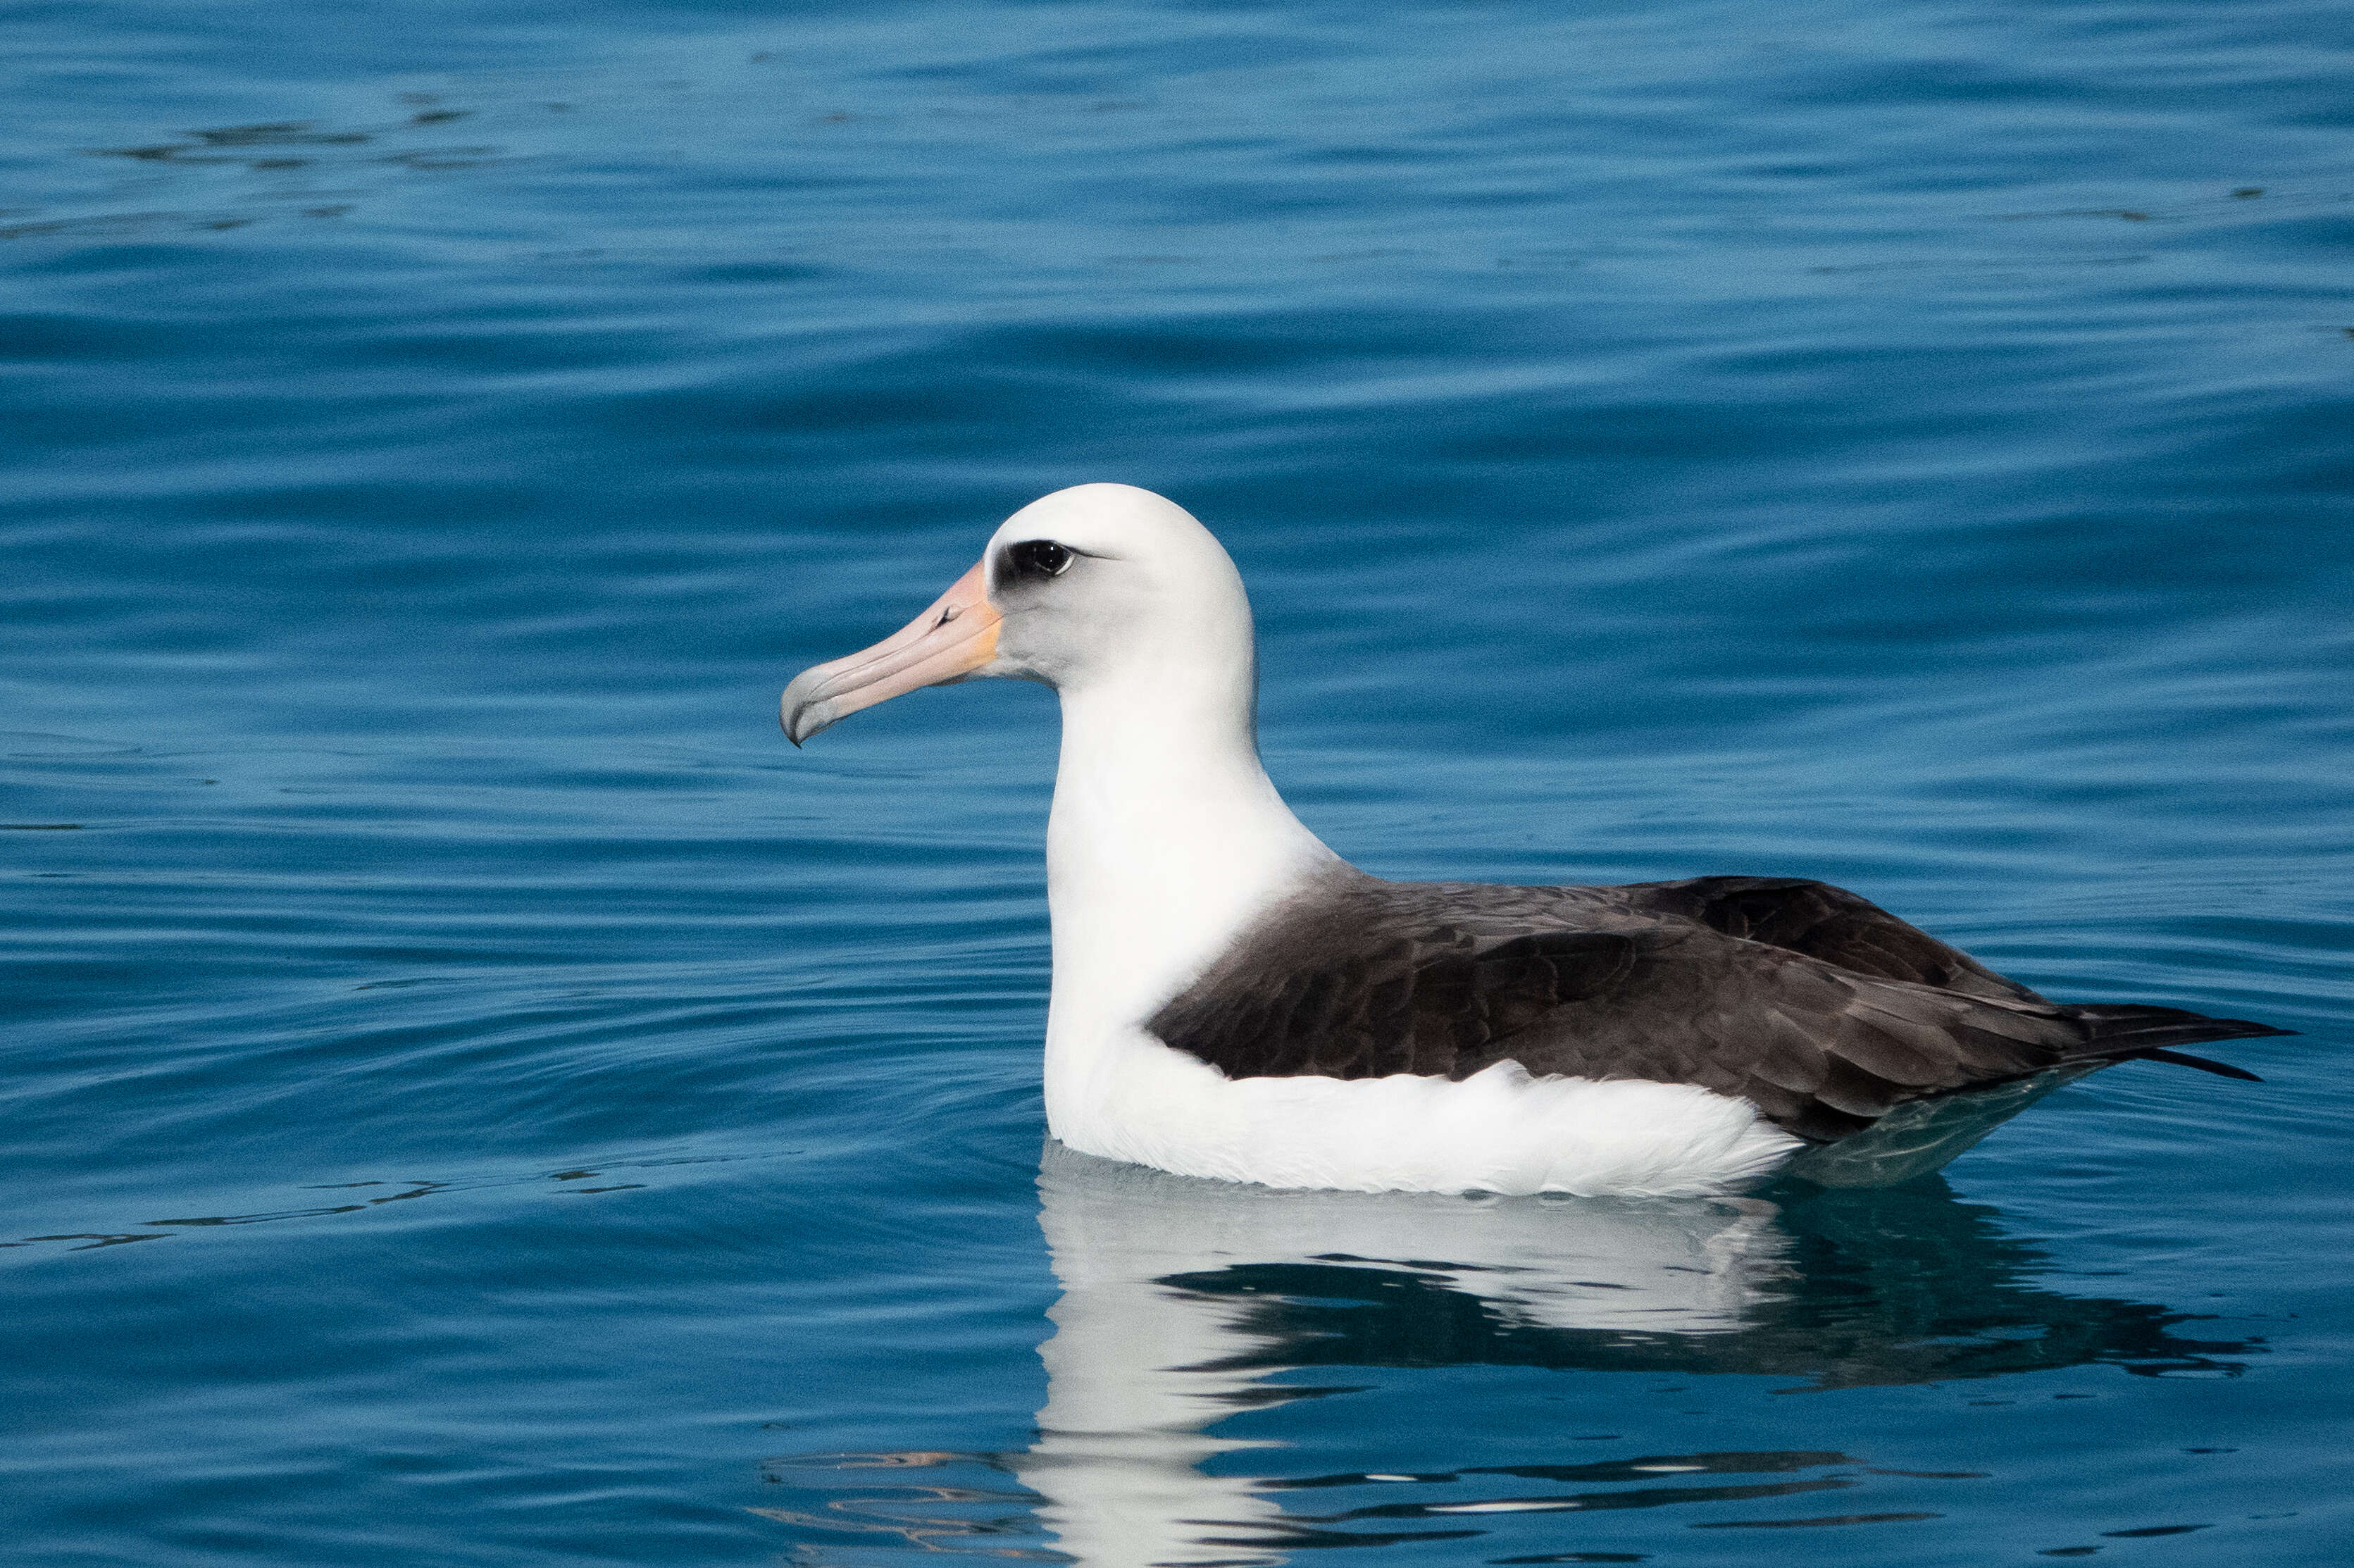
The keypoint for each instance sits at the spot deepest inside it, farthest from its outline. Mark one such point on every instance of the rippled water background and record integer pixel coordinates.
(473, 1095)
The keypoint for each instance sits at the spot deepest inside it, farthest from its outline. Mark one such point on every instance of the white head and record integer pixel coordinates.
(1095, 586)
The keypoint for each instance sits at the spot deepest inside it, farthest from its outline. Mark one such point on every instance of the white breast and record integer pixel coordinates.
(1501, 1131)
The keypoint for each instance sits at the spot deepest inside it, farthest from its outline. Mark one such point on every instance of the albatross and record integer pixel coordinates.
(1233, 1000)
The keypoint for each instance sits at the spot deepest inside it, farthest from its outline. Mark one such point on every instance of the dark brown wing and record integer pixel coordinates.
(1827, 923)
(1364, 979)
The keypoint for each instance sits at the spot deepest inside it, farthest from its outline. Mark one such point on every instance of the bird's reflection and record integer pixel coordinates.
(1181, 1299)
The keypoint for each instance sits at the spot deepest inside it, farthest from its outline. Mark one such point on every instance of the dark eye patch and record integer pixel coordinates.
(1038, 558)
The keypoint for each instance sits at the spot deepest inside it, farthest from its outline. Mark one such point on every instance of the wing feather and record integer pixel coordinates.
(1822, 1009)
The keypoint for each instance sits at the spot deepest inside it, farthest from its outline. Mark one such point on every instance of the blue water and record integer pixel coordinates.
(473, 1095)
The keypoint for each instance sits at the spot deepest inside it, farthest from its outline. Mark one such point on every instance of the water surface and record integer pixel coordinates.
(473, 1095)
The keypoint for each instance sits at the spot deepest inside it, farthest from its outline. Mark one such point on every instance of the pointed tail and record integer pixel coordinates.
(2117, 1031)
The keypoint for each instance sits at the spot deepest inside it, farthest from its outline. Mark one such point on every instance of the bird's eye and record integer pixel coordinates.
(1038, 558)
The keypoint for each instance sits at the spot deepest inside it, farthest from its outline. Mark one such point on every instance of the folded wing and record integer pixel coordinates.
(1822, 1009)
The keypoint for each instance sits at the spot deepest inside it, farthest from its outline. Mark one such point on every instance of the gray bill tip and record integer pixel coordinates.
(801, 714)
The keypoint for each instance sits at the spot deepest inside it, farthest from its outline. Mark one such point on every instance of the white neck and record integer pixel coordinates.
(1166, 838)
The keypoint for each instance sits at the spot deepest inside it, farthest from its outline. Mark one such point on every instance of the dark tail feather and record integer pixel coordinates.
(2119, 1031)
(2220, 1069)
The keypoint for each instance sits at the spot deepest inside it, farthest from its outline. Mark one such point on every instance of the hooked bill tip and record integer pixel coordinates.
(802, 717)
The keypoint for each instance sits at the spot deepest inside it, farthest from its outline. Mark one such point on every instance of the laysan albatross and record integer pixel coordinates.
(1233, 1000)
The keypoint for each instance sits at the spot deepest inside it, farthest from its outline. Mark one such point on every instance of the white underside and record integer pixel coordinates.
(1501, 1131)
